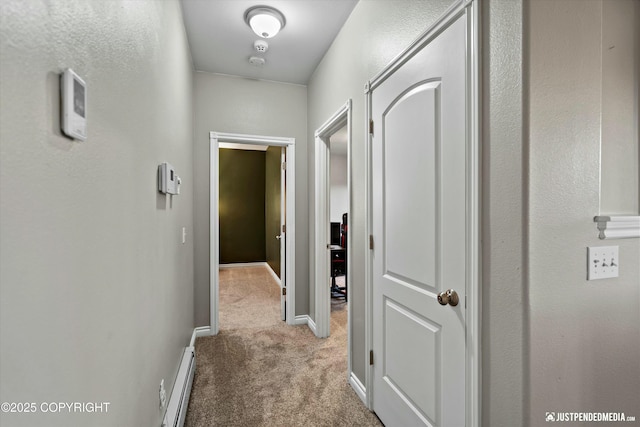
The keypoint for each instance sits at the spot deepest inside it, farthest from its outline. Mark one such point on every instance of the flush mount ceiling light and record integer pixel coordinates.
(265, 21)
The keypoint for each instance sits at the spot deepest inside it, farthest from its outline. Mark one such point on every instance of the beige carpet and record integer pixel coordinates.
(258, 371)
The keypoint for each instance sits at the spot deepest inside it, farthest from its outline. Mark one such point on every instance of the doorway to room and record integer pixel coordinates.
(233, 238)
(251, 212)
(339, 219)
(333, 204)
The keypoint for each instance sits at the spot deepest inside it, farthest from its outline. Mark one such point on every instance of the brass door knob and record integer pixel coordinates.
(448, 297)
(278, 237)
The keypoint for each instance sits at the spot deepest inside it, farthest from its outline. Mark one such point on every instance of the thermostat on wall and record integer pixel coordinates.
(74, 105)
(168, 180)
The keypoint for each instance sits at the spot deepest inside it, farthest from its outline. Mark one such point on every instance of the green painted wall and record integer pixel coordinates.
(242, 206)
(272, 207)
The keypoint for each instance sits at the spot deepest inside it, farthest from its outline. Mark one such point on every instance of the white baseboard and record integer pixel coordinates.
(200, 331)
(358, 387)
(301, 320)
(312, 326)
(273, 274)
(306, 320)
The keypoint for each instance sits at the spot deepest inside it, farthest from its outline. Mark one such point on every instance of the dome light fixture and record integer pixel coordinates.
(265, 21)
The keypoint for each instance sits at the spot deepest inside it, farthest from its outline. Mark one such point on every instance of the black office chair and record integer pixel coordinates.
(339, 260)
(338, 268)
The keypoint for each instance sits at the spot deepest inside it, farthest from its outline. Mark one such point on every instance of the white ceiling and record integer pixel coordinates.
(221, 42)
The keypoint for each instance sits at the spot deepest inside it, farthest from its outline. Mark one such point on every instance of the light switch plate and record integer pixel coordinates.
(602, 262)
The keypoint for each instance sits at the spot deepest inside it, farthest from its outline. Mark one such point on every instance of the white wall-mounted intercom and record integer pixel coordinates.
(168, 180)
(73, 91)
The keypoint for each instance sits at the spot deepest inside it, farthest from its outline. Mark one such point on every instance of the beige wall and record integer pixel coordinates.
(584, 341)
(239, 105)
(96, 288)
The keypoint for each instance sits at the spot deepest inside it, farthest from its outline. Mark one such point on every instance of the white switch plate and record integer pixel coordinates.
(603, 262)
(184, 235)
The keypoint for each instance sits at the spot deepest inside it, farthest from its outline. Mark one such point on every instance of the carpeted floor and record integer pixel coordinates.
(258, 371)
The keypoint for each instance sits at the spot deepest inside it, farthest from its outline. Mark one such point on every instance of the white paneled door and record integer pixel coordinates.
(419, 149)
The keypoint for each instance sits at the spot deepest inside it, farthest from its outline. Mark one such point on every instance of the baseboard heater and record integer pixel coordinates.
(179, 400)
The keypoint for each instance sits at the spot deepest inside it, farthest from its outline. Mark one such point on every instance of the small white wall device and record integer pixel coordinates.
(74, 105)
(168, 180)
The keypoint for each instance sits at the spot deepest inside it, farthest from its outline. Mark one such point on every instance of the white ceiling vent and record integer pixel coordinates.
(261, 46)
(257, 61)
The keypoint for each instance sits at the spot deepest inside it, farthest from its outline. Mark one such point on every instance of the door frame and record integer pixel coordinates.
(283, 222)
(474, 174)
(214, 218)
(336, 122)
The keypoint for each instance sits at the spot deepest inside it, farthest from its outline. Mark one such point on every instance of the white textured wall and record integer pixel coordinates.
(585, 343)
(504, 201)
(96, 288)
(338, 194)
(240, 105)
(620, 145)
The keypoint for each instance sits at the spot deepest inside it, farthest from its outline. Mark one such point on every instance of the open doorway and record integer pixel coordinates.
(284, 236)
(251, 211)
(333, 139)
(339, 220)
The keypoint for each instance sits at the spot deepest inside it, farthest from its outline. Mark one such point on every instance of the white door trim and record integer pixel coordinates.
(473, 336)
(214, 219)
(338, 120)
(322, 189)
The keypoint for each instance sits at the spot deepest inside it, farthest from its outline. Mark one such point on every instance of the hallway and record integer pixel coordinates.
(260, 372)
(106, 280)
